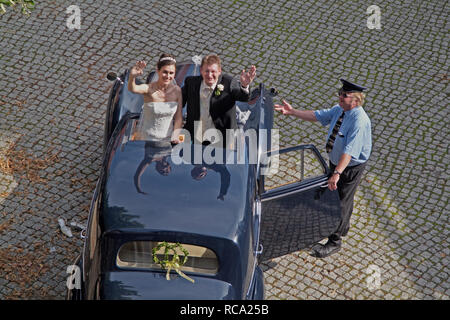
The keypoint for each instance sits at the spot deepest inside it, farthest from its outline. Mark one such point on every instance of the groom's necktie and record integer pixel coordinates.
(330, 142)
(206, 92)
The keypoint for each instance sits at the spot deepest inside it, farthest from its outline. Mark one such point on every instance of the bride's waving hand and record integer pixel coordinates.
(136, 71)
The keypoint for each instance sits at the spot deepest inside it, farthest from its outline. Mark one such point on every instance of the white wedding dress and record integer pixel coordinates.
(156, 121)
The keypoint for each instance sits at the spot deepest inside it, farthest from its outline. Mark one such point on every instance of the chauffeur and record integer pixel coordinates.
(349, 143)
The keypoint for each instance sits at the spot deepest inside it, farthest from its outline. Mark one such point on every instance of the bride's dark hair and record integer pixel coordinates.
(165, 59)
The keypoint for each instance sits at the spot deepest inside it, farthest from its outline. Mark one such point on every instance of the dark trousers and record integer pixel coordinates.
(346, 186)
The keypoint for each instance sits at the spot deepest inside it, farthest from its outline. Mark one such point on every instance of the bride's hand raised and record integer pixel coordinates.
(138, 68)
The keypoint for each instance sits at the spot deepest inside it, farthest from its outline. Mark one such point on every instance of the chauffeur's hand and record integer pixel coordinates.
(285, 108)
(332, 182)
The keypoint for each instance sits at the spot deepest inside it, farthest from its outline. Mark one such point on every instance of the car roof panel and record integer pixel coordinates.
(176, 201)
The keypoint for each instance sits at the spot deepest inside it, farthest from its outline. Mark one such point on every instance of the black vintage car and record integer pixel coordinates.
(148, 208)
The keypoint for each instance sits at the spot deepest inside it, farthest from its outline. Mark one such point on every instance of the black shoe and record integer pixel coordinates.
(324, 250)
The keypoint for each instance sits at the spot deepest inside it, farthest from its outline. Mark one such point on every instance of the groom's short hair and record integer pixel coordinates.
(211, 59)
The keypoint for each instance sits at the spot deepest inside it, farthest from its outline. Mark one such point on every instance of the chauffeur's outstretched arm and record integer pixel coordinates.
(287, 109)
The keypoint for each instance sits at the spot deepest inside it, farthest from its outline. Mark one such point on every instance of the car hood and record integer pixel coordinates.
(138, 285)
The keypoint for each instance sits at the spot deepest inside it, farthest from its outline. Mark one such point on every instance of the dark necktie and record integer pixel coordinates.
(330, 142)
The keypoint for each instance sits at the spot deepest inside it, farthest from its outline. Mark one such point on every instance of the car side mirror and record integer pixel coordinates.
(112, 76)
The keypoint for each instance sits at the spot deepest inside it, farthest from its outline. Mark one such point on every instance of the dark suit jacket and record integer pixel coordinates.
(222, 108)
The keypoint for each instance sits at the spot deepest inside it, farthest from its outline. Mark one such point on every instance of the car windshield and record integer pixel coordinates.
(139, 255)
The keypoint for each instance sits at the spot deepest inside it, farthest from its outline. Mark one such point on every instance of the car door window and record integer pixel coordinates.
(298, 209)
(296, 165)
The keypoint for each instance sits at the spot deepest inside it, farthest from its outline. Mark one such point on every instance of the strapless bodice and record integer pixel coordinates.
(156, 121)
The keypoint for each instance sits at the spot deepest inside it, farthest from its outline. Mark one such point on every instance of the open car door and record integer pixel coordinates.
(298, 209)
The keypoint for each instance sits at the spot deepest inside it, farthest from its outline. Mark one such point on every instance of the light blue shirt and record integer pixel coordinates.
(354, 137)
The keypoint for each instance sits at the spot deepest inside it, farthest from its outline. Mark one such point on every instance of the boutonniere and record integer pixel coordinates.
(219, 90)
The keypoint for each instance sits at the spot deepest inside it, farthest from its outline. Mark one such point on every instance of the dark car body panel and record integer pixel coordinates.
(233, 258)
(154, 286)
(175, 200)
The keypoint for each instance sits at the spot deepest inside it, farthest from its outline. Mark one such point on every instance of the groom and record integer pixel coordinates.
(211, 99)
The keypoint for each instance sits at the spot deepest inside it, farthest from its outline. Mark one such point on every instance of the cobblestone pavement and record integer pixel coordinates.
(53, 95)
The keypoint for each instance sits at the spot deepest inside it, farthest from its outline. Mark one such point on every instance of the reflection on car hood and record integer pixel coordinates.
(137, 195)
(153, 285)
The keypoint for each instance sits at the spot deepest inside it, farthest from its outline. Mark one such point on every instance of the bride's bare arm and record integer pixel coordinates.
(137, 70)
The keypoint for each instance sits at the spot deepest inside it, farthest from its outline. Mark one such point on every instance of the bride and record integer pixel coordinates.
(161, 113)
